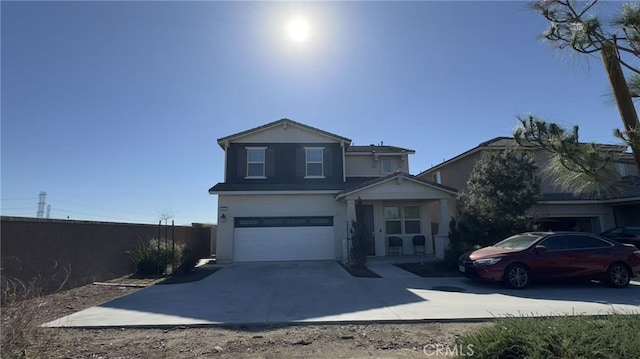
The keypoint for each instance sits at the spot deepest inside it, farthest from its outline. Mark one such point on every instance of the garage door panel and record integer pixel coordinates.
(283, 243)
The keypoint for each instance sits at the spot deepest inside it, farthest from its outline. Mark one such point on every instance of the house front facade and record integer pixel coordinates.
(290, 192)
(556, 210)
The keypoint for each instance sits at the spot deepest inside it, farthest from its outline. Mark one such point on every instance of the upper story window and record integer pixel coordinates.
(622, 169)
(387, 166)
(255, 162)
(314, 162)
(437, 178)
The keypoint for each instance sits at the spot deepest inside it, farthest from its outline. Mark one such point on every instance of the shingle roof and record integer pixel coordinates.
(352, 184)
(502, 142)
(257, 187)
(629, 187)
(279, 122)
(390, 176)
(499, 142)
(379, 149)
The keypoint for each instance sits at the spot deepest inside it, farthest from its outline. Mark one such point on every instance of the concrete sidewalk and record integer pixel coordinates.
(388, 270)
(316, 292)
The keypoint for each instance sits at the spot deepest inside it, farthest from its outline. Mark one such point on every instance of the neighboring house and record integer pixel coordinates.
(289, 193)
(556, 210)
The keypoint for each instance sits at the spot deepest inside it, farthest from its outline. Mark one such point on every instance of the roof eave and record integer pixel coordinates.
(223, 140)
(369, 153)
(382, 180)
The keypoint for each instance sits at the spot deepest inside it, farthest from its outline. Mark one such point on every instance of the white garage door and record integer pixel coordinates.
(283, 239)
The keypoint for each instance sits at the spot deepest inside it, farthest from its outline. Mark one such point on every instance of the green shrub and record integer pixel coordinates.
(457, 246)
(157, 257)
(611, 336)
(188, 260)
(150, 258)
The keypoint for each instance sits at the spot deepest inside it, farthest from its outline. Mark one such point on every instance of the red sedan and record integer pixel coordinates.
(525, 257)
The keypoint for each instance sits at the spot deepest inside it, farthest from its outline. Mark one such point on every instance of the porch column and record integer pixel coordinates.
(351, 216)
(442, 237)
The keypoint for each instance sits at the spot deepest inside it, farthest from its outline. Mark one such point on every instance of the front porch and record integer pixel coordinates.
(399, 211)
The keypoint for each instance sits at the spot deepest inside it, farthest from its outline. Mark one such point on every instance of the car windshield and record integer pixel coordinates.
(519, 241)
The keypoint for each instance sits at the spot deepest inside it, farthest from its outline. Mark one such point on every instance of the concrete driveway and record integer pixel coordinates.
(285, 292)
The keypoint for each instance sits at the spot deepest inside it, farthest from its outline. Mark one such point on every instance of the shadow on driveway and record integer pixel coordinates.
(323, 292)
(580, 291)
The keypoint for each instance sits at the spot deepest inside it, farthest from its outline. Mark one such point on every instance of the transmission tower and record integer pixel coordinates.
(41, 198)
(48, 210)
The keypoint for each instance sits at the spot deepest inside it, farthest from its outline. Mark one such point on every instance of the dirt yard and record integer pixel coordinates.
(298, 341)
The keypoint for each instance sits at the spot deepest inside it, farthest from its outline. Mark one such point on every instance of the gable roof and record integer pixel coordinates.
(282, 122)
(380, 180)
(502, 142)
(379, 149)
(627, 189)
(497, 142)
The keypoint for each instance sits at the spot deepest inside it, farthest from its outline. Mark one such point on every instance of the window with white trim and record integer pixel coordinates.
(314, 162)
(437, 178)
(402, 220)
(622, 169)
(255, 162)
(411, 218)
(387, 165)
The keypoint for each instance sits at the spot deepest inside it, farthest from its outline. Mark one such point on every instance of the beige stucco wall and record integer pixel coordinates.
(394, 189)
(367, 166)
(456, 175)
(630, 169)
(281, 134)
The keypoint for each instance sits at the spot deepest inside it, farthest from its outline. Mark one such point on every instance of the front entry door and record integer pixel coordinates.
(367, 209)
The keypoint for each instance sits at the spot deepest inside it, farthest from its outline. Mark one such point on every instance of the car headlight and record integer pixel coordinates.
(487, 261)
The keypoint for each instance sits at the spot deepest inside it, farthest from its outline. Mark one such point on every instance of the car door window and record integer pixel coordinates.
(555, 243)
(634, 232)
(612, 232)
(584, 242)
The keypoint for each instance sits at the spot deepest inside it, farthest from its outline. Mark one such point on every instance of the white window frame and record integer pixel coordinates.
(622, 169)
(307, 162)
(264, 159)
(382, 161)
(402, 220)
(405, 220)
(437, 177)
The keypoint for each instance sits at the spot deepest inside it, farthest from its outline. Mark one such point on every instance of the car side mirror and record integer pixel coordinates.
(540, 248)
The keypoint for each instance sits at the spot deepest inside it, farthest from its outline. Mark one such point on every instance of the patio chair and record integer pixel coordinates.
(395, 246)
(419, 241)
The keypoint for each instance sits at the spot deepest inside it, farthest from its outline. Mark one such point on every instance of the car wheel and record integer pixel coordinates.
(618, 275)
(517, 276)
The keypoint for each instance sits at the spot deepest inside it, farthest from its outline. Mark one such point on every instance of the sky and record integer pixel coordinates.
(114, 108)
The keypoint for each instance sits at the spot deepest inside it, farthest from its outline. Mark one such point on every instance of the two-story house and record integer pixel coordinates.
(556, 210)
(289, 193)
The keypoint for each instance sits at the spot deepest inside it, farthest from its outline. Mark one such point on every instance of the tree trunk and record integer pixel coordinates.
(623, 97)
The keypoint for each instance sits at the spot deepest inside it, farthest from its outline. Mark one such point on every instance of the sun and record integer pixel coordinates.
(298, 29)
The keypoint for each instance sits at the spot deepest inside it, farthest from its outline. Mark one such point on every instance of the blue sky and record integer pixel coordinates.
(114, 108)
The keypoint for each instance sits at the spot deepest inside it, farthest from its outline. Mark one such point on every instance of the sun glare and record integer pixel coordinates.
(298, 29)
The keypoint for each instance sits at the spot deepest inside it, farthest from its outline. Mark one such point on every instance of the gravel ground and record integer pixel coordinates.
(295, 341)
